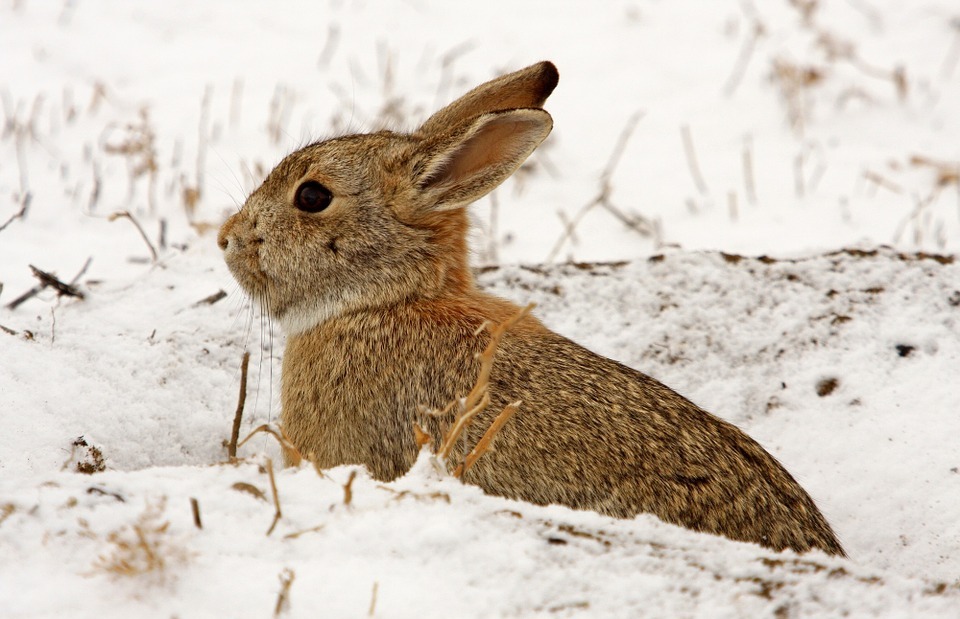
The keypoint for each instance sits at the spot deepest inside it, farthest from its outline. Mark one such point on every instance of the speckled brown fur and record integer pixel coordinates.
(382, 316)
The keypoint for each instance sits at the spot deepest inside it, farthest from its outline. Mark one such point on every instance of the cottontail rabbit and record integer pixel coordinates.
(357, 246)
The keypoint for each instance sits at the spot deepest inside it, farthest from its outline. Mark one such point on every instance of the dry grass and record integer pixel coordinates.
(137, 144)
(473, 404)
(144, 548)
(241, 401)
(90, 458)
(283, 596)
(289, 450)
(127, 215)
(795, 81)
(643, 226)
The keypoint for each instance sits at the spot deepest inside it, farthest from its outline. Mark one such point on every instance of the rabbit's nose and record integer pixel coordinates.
(223, 236)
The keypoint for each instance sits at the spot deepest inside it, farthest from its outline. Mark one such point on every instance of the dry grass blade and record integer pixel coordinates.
(297, 534)
(242, 486)
(419, 434)
(290, 452)
(484, 443)
(283, 597)
(881, 181)
(478, 399)
(143, 547)
(691, 154)
(6, 510)
(210, 300)
(277, 514)
(127, 215)
(757, 31)
(463, 420)
(348, 488)
(373, 599)
(948, 172)
(195, 509)
(241, 401)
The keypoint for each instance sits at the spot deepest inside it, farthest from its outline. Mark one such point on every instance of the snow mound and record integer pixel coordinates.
(838, 364)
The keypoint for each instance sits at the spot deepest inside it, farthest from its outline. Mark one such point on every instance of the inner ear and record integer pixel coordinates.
(469, 164)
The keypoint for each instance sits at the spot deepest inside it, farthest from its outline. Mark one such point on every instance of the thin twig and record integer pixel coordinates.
(24, 206)
(276, 498)
(126, 214)
(919, 206)
(26, 296)
(50, 280)
(45, 280)
(743, 58)
(241, 401)
(691, 154)
(603, 196)
(878, 180)
(210, 300)
(297, 534)
(195, 508)
(348, 488)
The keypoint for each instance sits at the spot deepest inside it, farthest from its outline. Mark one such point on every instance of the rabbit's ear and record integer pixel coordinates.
(525, 88)
(468, 164)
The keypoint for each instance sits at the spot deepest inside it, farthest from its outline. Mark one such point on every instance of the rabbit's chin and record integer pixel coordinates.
(303, 317)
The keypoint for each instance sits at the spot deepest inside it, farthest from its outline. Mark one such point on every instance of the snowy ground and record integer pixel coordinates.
(841, 362)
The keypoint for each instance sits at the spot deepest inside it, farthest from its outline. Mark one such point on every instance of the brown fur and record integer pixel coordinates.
(382, 313)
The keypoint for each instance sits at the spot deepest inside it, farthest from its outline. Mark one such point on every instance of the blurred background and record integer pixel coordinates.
(787, 127)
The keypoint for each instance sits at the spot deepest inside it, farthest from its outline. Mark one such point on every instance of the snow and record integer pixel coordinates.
(861, 288)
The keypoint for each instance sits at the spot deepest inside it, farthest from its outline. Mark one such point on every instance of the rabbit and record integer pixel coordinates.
(357, 247)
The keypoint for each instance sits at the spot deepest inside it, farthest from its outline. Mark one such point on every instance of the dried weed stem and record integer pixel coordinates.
(639, 224)
(195, 510)
(283, 597)
(691, 154)
(48, 279)
(277, 514)
(24, 207)
(476, 401)
(127, 215)
(241, 402)
(290, 452)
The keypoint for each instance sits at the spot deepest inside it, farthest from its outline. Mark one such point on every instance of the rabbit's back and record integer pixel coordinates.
(595, 434)
(591, 433)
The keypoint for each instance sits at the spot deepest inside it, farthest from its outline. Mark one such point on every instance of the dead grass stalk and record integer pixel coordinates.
(241, 402)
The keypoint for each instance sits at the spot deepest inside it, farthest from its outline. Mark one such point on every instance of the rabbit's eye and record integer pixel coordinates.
(312, 197)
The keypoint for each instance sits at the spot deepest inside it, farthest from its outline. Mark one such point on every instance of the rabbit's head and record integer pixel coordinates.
(373, 219)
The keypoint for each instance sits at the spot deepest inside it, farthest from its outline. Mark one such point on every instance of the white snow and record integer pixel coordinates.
(149, 375)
